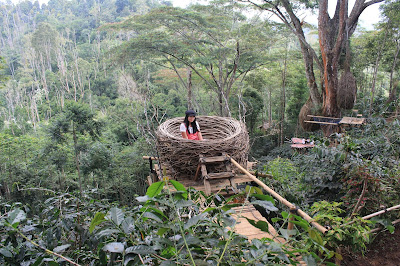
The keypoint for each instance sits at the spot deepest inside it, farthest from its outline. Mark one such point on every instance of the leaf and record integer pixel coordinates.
(114, 247)
(140, 249)
(262, 225)
(98, 219)
(183, 203)
(264, 197)
(143, 198)
(304, 224)
(152, 216)
(286, 233)
(178, 186)
(267, 205)
(194, 220)
(117, 215)
(133, 258)
(390, 228)
(6, 253)
(338, 256)
(62, 248)
(314, 235)
(128, 225)
(209, 209)
(38, 261)
(155, 189)
(309, 260)
(107, 232)
(330, 264)
(16, 216)
(162, 231)
(228, 207)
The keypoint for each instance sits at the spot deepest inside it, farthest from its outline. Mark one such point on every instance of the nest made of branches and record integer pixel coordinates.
(307, 109)
(347, 91)
(221, 135)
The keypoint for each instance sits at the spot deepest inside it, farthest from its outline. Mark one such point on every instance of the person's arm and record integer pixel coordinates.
(199, 135)
(182, 129)
(199, 132)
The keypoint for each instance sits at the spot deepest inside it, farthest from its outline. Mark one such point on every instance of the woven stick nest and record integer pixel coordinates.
(221, 135)
(347, 90)
(306, 110)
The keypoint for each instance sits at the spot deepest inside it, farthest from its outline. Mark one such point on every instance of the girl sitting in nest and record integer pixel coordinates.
(190, 129)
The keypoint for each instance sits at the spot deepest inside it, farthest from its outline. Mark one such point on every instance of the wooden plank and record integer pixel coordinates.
(197, 175)
(324, 123)
(323, 117)
(148, 157)
(215, 159)
(301, 146)
(219, 175)
(207, 187)
(243, 227)
(352, 120)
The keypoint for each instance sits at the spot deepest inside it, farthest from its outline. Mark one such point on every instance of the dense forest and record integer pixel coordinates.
(85, 84)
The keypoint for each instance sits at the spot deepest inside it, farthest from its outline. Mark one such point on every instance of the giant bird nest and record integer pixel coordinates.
(221, 135)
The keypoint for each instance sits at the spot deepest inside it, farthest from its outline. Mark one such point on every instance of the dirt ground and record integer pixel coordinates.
(383, 251)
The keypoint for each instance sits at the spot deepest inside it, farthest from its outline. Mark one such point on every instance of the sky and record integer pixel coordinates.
(369, 17)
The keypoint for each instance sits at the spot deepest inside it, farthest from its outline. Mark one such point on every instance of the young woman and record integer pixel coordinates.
(190, 129)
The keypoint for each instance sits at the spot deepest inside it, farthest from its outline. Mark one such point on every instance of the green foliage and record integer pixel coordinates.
(351, 232)
(168, 226)
(286, 179)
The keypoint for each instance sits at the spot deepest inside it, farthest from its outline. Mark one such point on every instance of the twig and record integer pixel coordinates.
(380, 212)
(380, 228)
(48, 251)
(374, 214)
(360, 198)
(37, 188)
(140, 257)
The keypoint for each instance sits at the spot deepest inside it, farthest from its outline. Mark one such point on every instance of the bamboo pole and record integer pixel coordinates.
(374, 214)
(304, 215)
(380, 212)
(380, 228)
(149, 157)
(260, 174)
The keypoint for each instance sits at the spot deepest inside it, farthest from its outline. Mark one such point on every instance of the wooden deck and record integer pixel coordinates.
(222, 186)
(243, 227)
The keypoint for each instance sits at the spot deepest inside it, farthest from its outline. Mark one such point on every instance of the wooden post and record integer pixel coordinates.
(291, 218)
(302, 214)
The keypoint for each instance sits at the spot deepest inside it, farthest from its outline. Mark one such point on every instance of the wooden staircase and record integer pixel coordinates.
(207, 164)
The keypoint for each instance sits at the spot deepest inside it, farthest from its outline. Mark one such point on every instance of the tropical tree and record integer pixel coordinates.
(216, 43)
(76, 120)
(334, 34)
(391, 24)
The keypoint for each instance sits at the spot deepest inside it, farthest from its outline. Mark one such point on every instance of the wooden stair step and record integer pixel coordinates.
(215, 159)
(219, 175)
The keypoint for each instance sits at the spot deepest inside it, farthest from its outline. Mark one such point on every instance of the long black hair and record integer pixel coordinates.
(193, 124)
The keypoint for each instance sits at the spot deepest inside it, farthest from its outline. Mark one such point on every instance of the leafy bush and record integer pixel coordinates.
(168, 228)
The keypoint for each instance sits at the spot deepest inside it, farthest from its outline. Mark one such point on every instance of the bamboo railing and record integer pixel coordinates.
(291, 206)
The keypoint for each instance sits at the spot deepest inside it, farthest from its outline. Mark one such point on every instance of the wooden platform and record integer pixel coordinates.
(243, 227)
(323, 120)
(222, 186)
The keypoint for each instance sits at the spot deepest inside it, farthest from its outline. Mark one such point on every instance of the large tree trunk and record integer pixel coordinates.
(331, 36)
(332, 33)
